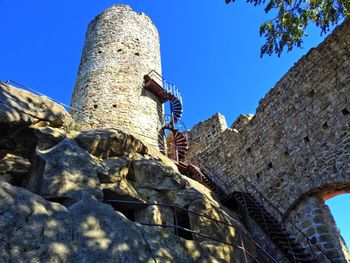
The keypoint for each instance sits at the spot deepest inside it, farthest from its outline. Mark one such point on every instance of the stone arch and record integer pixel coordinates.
(311, 215)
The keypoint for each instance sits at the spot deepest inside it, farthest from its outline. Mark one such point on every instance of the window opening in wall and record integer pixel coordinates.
(345, 111)
(183, 221)
(129, 210)
(119, 50)
(249, 150)
(311, 93)
(114, 105)
(137, 54)
(95, 106)
(269, 166)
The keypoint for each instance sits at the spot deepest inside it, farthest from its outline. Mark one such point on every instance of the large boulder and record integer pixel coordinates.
(31, 228)
(113, 170)
(22, 107)
(47, 137)
(106, 143)
(153, 174)
(28, 120)
(65, 172)
(110, 143)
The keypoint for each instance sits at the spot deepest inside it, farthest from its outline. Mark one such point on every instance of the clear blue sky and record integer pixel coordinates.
(209, 50)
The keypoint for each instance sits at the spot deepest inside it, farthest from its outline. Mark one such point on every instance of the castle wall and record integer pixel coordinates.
(313, 217)
(121, 46)
(203, 133)
(298, 142)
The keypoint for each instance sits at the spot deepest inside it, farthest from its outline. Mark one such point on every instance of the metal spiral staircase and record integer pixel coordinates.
(176, 141)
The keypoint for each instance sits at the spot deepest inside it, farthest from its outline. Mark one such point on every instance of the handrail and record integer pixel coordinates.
(166, 86)
(176, 226)
(234, 181)
(266, 228)
(287, 219)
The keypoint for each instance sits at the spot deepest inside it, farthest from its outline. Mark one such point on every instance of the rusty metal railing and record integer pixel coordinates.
(242, 234)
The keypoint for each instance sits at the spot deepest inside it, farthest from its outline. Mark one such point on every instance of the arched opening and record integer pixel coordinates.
(340, 207)
(323, 216)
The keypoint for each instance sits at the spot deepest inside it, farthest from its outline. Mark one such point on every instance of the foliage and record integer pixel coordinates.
(288, 28)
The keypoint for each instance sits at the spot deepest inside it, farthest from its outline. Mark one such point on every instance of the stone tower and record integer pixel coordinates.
(121, 47)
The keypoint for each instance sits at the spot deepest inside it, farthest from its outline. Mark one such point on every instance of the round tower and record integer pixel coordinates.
(121, 47)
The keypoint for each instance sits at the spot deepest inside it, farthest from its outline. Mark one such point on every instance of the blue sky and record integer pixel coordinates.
(210, 50)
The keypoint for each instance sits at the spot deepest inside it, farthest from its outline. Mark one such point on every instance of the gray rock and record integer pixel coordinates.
(110, 143)
(31, 228)
(35, 230)
(153, 174)
(67, 173)
(113, 169)
(20, 106)
(47, 137)
(13, 168)
(104, 235)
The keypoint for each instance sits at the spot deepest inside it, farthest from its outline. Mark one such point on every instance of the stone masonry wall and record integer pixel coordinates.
(314, 218)
(121, 46)
(298, 142)
(203, 133)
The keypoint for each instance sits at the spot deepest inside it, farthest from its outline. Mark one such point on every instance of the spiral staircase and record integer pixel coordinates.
(176, 142)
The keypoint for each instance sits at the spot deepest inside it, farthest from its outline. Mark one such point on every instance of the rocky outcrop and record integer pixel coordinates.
(67, 173)
(110, 142)
(22, 107)
(35, 230)
(31, 228)
(101, 196)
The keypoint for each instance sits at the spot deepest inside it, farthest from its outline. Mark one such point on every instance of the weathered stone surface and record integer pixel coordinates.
(154, 175)
(13, 168)
(95, 232)
(67, 173)
(120, 191)
(113, 169)
(31, 228)
(314, 218)
(35, 230)
(110, 143)
(104, 235)
(47, 137)
(20, 106)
